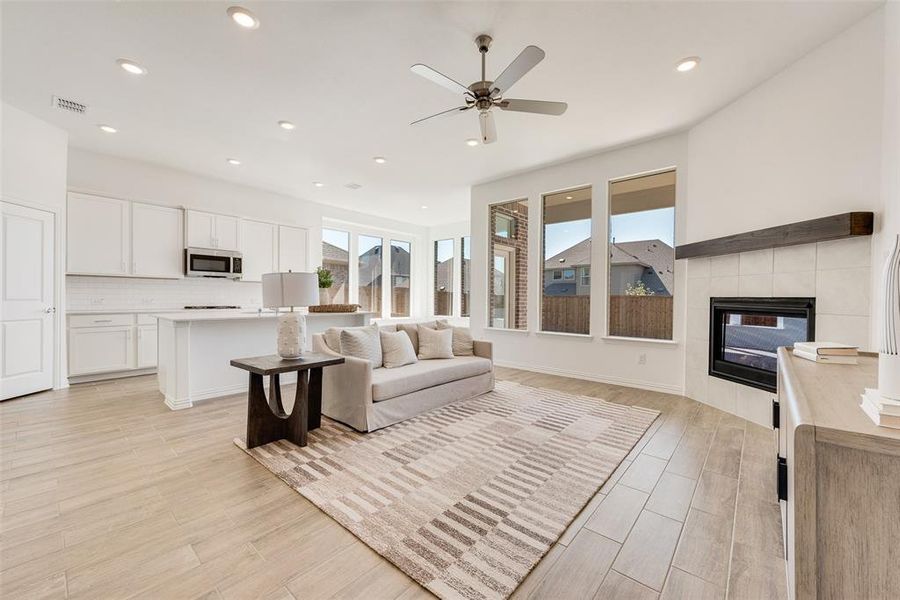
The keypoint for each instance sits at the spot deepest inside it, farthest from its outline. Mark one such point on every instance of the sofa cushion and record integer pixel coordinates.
(362, 342)
(397, 349)
(412, 330)
(463, 345)
(390, 383)
(435, 343)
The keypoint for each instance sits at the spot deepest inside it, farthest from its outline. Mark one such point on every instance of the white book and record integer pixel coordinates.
(879, 418)
(825, 359)
(885, 406)
(827, 348)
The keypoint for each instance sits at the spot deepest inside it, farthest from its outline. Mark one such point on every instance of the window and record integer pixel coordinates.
(504, 226)
(335, 258)
(400, 273)
(642, 256)
(465, 274)
(565, 305)
(508, 265)
(585, 276)
(443, 277)
(370, 266)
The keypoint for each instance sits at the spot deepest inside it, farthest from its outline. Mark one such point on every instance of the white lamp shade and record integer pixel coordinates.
(290, 289)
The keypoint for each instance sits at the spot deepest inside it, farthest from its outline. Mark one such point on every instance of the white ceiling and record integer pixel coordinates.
(340, 72)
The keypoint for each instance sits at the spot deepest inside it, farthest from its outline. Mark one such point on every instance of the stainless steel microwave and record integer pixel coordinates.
(202, 262)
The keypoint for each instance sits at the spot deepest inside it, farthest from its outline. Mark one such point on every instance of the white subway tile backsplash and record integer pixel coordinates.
(795, 258)
(844, 254)
(755, 286)
(91, 293)
(798, 283)
(843, 329)
(724, 266)
(723, 286)
(758, 262)
(843, 292)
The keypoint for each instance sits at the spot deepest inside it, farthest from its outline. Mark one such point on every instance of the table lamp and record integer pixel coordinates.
(290, 289)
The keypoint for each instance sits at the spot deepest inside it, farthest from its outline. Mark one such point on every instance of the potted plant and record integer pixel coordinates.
(325, 281)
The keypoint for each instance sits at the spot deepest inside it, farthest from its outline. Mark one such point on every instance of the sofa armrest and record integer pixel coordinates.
(484, 349)
(346, 388)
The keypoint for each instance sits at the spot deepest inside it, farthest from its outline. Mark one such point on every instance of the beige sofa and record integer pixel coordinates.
(368, 399)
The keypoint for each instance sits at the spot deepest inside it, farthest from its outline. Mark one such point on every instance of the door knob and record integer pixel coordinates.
(50, 310)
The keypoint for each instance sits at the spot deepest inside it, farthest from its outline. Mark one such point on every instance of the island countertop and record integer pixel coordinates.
(237, 315)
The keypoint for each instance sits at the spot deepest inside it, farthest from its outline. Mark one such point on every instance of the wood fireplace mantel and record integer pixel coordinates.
(835, 227)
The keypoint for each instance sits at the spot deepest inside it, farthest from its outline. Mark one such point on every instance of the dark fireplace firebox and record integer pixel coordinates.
(745, 333)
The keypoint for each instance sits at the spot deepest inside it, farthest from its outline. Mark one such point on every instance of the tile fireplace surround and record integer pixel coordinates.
(837, 274)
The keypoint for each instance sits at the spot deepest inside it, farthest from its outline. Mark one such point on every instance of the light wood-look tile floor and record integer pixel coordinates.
(106, 493)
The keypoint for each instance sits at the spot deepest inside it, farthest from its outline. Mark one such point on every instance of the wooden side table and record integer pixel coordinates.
(266, 419)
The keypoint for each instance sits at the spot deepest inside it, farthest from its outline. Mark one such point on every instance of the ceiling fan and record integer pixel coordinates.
(485, 95)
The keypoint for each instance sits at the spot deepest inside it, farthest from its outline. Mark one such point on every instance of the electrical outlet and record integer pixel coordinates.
(642, 359)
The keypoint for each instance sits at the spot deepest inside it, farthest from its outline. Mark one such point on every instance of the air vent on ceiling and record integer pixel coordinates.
(69, 105)
(352, 186)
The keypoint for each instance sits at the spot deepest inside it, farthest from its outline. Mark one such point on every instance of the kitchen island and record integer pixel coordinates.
(196, 347)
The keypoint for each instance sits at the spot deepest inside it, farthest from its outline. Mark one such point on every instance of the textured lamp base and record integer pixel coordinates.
(291, 335)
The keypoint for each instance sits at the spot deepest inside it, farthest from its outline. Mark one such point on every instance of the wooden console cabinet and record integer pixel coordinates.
(840, 475)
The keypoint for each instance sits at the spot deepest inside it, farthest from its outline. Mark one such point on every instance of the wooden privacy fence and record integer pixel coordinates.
(641, 316)
(629, 316)
(570, 314)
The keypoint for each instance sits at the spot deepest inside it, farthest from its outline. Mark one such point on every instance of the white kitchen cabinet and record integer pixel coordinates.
(146, 346)
(98, 235)
(292, 248)
(259, 248)
(99, 349)
(208, 230)
(157, 243)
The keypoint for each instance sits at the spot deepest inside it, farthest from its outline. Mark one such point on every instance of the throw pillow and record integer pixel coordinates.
(362, 342)
(397, 349)
(463, 345)
(332, 337)
(412, 330)
(434, 343)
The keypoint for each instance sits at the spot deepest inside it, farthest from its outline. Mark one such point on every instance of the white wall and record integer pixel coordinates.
(33, 173)
(804, 144)
(594, 357)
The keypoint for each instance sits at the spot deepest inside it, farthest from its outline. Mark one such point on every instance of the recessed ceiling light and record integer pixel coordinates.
(424, 207)
(233, 161)
(243, 17)
(380, 160)
(687, 64)
(568, 197)
(286, 125)
(107, 128)
(471, 142)
(318, 184)
(131, 66)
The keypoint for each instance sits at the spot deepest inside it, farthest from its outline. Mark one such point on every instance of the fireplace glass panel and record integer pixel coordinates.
(753, 340)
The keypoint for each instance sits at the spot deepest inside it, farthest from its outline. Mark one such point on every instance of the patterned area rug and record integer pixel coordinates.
(467, 498)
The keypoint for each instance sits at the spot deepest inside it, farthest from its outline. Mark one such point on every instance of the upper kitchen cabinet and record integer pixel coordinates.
(293, 248)
(157, 243)
(259, 249)
(208, 230)
(98, 235)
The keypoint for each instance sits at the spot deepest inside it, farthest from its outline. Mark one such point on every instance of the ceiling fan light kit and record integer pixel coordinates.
(484, 95)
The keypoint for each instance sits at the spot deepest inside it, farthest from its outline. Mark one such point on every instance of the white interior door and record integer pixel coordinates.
(26, 300)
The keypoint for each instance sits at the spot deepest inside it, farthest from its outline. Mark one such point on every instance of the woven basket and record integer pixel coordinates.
(334, 308)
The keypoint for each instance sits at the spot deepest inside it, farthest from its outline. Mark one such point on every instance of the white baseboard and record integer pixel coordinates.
(642, 385)
(110, 375)
(208, 394)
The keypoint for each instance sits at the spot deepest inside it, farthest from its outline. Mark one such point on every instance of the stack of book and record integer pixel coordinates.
(883, 411)
(827, 352)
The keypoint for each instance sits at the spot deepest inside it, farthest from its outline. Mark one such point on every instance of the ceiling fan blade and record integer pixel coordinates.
(439, 78)
(534, 106)
(450, 111)
(524, 62)
(488, 129)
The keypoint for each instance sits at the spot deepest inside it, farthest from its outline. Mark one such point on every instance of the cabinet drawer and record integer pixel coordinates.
(146, 320)
(100, 320)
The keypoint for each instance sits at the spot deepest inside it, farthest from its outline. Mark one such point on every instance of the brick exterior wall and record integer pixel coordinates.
(517, 210)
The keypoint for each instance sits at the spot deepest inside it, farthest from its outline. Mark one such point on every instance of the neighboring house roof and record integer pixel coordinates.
(651, 254)
(331, 253)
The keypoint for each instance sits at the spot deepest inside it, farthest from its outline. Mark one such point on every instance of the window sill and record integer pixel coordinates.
(584, 336)
(616, 338)
(506, 329)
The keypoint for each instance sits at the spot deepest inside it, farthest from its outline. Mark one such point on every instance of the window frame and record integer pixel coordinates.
(434, 277)
(489, 261)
